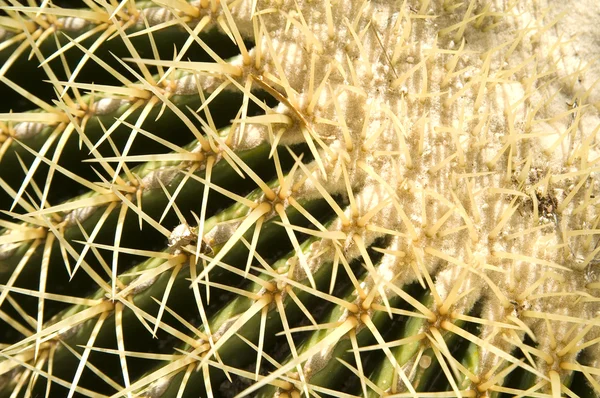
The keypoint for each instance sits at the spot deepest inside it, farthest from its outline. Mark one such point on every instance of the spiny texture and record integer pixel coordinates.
(381, 199)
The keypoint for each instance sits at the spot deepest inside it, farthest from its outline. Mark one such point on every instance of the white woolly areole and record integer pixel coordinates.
(483, 174)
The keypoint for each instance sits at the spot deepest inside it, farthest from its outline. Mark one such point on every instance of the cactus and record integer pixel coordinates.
(294, 198)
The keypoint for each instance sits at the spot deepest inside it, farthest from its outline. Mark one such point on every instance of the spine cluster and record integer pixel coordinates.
(297, 198)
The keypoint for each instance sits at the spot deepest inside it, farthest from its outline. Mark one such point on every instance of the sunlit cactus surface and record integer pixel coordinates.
(286, 198)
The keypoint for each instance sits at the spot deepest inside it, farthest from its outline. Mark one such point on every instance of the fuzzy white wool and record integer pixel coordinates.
(464, 134)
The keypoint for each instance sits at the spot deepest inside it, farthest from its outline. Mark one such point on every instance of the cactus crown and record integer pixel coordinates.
(286, 198)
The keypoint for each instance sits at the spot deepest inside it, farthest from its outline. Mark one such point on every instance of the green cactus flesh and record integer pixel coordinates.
(285, 198)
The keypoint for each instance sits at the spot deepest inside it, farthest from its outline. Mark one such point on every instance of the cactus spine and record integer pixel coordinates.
(293, 198)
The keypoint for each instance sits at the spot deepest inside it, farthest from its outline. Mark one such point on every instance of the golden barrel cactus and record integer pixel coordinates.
(285, 198)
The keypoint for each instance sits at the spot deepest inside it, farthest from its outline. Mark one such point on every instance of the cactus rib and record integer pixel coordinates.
(287, 198)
